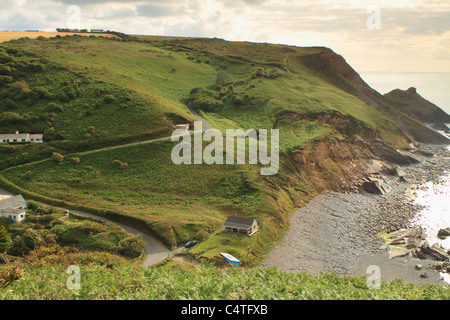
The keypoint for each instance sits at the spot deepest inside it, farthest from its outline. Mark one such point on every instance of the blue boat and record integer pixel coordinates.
(230, 259)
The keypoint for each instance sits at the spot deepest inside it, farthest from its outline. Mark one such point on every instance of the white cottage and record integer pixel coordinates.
(14, 207)
(22, 137)
(240, 225)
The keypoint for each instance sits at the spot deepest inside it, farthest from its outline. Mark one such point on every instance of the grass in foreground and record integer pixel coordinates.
(205, 282)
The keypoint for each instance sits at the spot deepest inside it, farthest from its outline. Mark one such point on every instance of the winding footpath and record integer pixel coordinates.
(155, 251)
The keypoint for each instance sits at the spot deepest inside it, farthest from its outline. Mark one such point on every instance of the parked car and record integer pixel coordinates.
(190, 243)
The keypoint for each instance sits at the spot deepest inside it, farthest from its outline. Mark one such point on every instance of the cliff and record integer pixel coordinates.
(406, 108)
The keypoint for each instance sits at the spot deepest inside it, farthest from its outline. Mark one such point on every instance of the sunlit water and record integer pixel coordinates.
(435, 215)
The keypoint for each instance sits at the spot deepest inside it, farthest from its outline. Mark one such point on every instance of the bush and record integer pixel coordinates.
(19, 87)
(57, 157)
(120, 164)
(5, 70)
(5, 80)
(42, 92)
(223, 77)
(54, 107)
(109, 99)
(205, 100)
(5, 58)
(201, 235)
(29, 174)
(131, 247)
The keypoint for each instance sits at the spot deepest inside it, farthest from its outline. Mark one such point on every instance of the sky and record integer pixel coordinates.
(374, 35)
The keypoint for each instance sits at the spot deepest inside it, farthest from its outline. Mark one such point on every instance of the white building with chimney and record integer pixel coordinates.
(21, 137)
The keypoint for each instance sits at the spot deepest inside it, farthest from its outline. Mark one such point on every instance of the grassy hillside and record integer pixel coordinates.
(187, 198)
(93, 92)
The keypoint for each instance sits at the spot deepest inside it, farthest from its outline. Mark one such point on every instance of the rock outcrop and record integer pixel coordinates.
(444, 233)
(412, 242)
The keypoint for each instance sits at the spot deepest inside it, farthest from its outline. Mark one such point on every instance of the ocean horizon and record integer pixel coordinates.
(432, 86)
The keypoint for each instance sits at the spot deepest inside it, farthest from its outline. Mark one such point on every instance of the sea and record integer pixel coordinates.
(433, 197)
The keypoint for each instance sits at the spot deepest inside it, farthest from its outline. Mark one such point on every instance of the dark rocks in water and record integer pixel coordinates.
(443, 233)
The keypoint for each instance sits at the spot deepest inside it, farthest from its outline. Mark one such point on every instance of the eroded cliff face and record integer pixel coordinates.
(351, 163)
(403, 108)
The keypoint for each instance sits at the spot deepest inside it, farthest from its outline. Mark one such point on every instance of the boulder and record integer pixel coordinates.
(398, 253)
(418, 254)
(397, 241)
(413, 243)
(375, 185)
(435, 251)
(443, 233)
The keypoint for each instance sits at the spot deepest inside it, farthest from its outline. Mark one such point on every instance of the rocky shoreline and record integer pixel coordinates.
(340, 232)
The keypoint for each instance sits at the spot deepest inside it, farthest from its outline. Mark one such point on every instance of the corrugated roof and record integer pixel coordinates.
(12, 202)
(238, 222)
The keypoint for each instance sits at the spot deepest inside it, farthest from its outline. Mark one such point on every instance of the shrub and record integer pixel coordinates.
(109, 99)
(5, 58)
(57, 157)
(201, 235)
(29, 174)
(131, 247)
(35, 67)
(205, 100)
(76, 160)
(42, 92)
(5, 80)
(54, 107)
(5, 70)
(19, 87)
(122, 165)
(223, 77)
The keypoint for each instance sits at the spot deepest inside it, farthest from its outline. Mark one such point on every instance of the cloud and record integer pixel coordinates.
(156, 10)
(340, 24)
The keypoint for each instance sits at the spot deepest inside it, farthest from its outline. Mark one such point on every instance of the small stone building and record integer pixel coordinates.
(239, 225)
